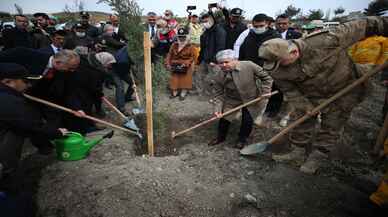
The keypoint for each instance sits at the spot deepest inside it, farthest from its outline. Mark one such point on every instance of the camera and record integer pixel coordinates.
(191, 7)
(212, 5)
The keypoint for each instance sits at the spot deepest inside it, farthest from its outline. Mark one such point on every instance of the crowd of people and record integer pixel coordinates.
(229, 58)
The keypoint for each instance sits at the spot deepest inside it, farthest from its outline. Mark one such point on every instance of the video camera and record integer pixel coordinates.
(212, 5)
(191, 7)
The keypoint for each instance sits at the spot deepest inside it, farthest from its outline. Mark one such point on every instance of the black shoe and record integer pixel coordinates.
(215, 142)
(181, 98)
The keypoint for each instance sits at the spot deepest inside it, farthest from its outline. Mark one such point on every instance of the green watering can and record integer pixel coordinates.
(73, 146)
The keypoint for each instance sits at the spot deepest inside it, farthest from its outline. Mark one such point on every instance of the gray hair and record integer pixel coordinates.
(106, 26)
(66, 55)
(225, 54)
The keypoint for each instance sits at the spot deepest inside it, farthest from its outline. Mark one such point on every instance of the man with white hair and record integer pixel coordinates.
(84, 89)
(239, 82)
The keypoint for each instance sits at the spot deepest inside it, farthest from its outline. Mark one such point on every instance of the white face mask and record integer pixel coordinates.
(259, 30)
(80, 34)
(164, 31)
(207, 25)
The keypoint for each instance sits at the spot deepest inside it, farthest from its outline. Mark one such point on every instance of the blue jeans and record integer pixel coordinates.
(120, 75)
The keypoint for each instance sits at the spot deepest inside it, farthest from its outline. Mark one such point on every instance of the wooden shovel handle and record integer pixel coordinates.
(53, 105)
(173, 135)
(135, 90)
(323, 105)
(113, 107)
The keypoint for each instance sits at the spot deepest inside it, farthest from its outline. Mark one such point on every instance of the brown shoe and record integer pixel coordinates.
(215, 141)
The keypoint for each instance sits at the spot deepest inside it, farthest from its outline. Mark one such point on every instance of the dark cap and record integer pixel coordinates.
(236, 12)
(16, 71)
(40, 14)
(182, 31)
(260, 18)
(84, 14)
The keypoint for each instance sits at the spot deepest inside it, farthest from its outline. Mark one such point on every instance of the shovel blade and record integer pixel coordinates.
(130, 124)
(137, 111)
(254, 148)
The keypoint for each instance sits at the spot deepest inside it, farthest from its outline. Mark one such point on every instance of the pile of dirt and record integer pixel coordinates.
(191, 179)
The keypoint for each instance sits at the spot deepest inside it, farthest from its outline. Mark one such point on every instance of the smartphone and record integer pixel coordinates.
(191, 7)
(212, 5)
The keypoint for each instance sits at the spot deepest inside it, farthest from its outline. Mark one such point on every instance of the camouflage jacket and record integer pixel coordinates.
(324, 67)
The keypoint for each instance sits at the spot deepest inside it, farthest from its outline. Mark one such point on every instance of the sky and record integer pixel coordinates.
(251, 7)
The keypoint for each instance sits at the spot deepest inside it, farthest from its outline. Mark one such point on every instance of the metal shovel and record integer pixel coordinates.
(262, 146)
(129, 122)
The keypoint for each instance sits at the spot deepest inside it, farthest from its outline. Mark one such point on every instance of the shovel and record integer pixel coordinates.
(129, 122)
(96, 120)
(175, 134)
(139, 109)
(262, 146)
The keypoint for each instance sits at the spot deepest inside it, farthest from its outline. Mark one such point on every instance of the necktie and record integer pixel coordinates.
(152, 31)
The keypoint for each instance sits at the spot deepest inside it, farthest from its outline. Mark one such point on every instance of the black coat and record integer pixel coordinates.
(292, 34)
(72, 41)
(212, 41)
(48, 50)
(34, 60)
(84, 88)
(85, 84)
(92, 31)
(19, 118)
(40, 39)
(232, 33)
(113, 45)
(16, 38)
(249, 48)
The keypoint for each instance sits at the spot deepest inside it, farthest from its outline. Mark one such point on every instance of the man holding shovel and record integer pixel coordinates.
(237, 80)
(311, 70)
(19, 118)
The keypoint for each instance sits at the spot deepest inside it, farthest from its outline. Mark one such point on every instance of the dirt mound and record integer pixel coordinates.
(192, 180)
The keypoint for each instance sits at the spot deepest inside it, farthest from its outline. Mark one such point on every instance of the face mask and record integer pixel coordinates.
(259, 30)
(168, 17)
(80, 34)
(207, 25)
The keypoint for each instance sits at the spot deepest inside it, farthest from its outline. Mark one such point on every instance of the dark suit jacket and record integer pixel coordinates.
(16, 38)
(292, 34)
(34, 60)
(48, 50)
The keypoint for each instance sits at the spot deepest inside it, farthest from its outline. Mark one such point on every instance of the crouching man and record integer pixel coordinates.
(239, 82)
(19, 118)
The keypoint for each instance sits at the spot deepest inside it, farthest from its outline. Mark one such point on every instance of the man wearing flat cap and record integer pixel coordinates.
(19, 118)
(311, 70)
(239, 82)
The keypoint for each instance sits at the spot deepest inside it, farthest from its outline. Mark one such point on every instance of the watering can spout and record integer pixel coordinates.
(91, 143)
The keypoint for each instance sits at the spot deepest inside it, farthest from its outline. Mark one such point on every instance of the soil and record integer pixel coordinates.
(188, 178)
